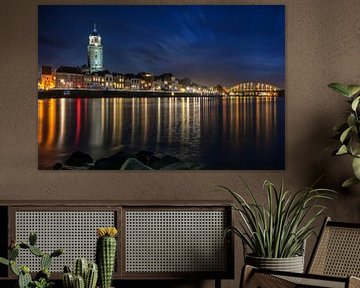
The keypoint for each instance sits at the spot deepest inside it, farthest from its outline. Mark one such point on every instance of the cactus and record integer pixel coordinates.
(14, 268)
(89, 272)
(36, 251)
(42, 278)
(44, 273)
(24, 277)
(24, 245)
(13, 253)
(106, 254)
(57, 252)
(68, 280)
(45, 261)
(67, 269)
(91, 276)
(32, 238)
(80, 268)
(25, 269)
(79, 282)
(4, 261)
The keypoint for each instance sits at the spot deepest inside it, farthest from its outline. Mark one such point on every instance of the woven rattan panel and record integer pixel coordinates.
(175, 241)
(311, 282)
(268, 280)
(75, 231)
(338, 253)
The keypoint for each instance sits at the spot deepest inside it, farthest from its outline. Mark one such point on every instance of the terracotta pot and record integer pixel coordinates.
(291, 264)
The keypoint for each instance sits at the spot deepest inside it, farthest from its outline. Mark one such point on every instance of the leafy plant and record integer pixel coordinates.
(42, 278)
(279, 229)
(43, 283)
(348, 132)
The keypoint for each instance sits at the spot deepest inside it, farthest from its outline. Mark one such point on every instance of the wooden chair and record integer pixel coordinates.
(335, 262)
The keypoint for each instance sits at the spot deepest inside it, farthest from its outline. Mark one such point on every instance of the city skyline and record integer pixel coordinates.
(188, 41)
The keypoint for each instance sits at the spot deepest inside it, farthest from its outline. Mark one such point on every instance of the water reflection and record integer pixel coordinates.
(221, 133)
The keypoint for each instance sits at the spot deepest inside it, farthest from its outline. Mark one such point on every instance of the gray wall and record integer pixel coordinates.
(322, 46)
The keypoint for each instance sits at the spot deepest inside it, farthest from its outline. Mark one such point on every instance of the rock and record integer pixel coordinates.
(155, 163)
(86, 167)
(143, 160)
(167, 160)
(146, 157)
(57, 166)
(134, 164)
(158, 163)
(113, 162)
(183, 166)
(79, 159)
(154, 160)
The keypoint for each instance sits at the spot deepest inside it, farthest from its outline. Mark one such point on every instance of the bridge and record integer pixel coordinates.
(254, 89)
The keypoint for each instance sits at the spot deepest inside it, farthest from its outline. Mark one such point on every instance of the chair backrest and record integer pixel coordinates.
(337, 251)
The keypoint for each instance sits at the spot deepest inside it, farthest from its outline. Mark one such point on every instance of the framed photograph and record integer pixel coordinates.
(161, 87)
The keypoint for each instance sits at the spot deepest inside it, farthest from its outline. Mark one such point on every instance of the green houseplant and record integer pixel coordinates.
(276, 233)
(42, 278)
(348, 132)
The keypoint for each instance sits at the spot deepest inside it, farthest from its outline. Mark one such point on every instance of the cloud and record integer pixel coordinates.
(52, 42)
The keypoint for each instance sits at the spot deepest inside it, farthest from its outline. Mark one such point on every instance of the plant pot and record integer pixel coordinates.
(291, 264)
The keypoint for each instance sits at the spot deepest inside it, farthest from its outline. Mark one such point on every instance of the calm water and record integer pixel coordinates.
(221, 133)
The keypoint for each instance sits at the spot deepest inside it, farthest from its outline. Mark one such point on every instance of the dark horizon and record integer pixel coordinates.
(209, 44)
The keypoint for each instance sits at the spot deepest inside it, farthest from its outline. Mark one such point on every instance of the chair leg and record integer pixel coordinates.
(217, 283)
(246, 273)
(354, 282)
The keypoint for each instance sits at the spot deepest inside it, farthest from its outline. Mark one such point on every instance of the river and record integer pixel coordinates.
(231, 133)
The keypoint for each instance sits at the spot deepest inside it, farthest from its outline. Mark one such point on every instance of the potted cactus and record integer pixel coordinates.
(106, 254)
(84, 275)
(42, 278)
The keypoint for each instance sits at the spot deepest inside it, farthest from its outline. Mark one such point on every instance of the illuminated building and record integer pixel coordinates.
(135, 83)
(47, 79)
(118, 81)
(108, 80)
(104, 80)
(95, 52)
(156, 85)
(168, 82)
(132, 81)
(87, 81)
(69, 77)
(96, 80)
(146, 81)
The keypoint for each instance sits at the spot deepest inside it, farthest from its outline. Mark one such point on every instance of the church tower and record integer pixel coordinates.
(95, 51)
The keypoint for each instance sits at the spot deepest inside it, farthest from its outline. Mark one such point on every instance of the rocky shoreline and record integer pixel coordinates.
(142, 160)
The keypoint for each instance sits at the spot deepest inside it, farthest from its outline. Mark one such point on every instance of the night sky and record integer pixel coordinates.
(209, 44)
